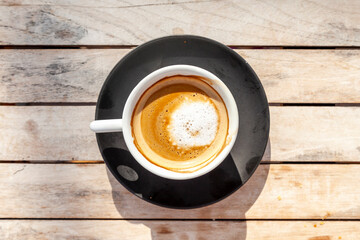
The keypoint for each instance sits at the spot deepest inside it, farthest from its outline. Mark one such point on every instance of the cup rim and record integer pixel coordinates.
(151, 79)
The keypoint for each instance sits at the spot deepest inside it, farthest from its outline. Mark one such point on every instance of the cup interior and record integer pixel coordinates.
(154, 77)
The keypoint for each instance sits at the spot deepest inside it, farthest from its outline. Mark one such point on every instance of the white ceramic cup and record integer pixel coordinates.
(124, 124)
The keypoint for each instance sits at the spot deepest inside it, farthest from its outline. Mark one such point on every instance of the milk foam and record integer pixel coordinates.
(193, 124)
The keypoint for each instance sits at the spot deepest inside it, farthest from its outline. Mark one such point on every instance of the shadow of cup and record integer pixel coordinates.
(233, 207)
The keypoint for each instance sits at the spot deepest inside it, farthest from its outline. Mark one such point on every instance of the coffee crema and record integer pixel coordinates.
(180, 123)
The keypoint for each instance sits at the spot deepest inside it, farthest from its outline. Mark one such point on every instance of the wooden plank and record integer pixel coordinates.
(300, 22)
(307, 76)
(315, 134)
(55, 75)
(133, 230)
(47, 133)
(300, 134)
(289, 76)
(275, 191)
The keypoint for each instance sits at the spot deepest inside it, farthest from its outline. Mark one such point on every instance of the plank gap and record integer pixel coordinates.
(309, 162)
(308, 104)
(102, 162)
(94, 104)
(48, 104)
(134, 46)
(294, 47)
(187, 219)
(52, 162)
(314, 104)
(68, 46)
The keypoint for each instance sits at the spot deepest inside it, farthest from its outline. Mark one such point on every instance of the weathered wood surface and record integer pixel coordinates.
(136, 230)
(47, 133)
(281, 23)
(288, 76)
(315, 134)
(275, 191)
(273, 200)
(52, 133)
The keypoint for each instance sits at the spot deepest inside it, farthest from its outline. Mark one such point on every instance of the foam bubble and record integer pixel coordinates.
(193, 124)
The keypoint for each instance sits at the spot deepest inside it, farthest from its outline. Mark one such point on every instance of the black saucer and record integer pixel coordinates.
(254, 121)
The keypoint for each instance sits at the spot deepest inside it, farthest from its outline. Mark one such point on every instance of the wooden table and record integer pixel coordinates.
(55, 56)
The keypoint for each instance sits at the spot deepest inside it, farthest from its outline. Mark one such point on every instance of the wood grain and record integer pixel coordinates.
(136, 230)
(47, 133)
(300, 22)
(61, 133)
(288, 76)
(315, 134)
(275, 191)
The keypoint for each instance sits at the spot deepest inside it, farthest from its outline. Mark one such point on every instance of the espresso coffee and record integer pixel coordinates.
(180, 123)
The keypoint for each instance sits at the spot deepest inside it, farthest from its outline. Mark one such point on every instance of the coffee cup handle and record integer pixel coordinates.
(104, 126)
